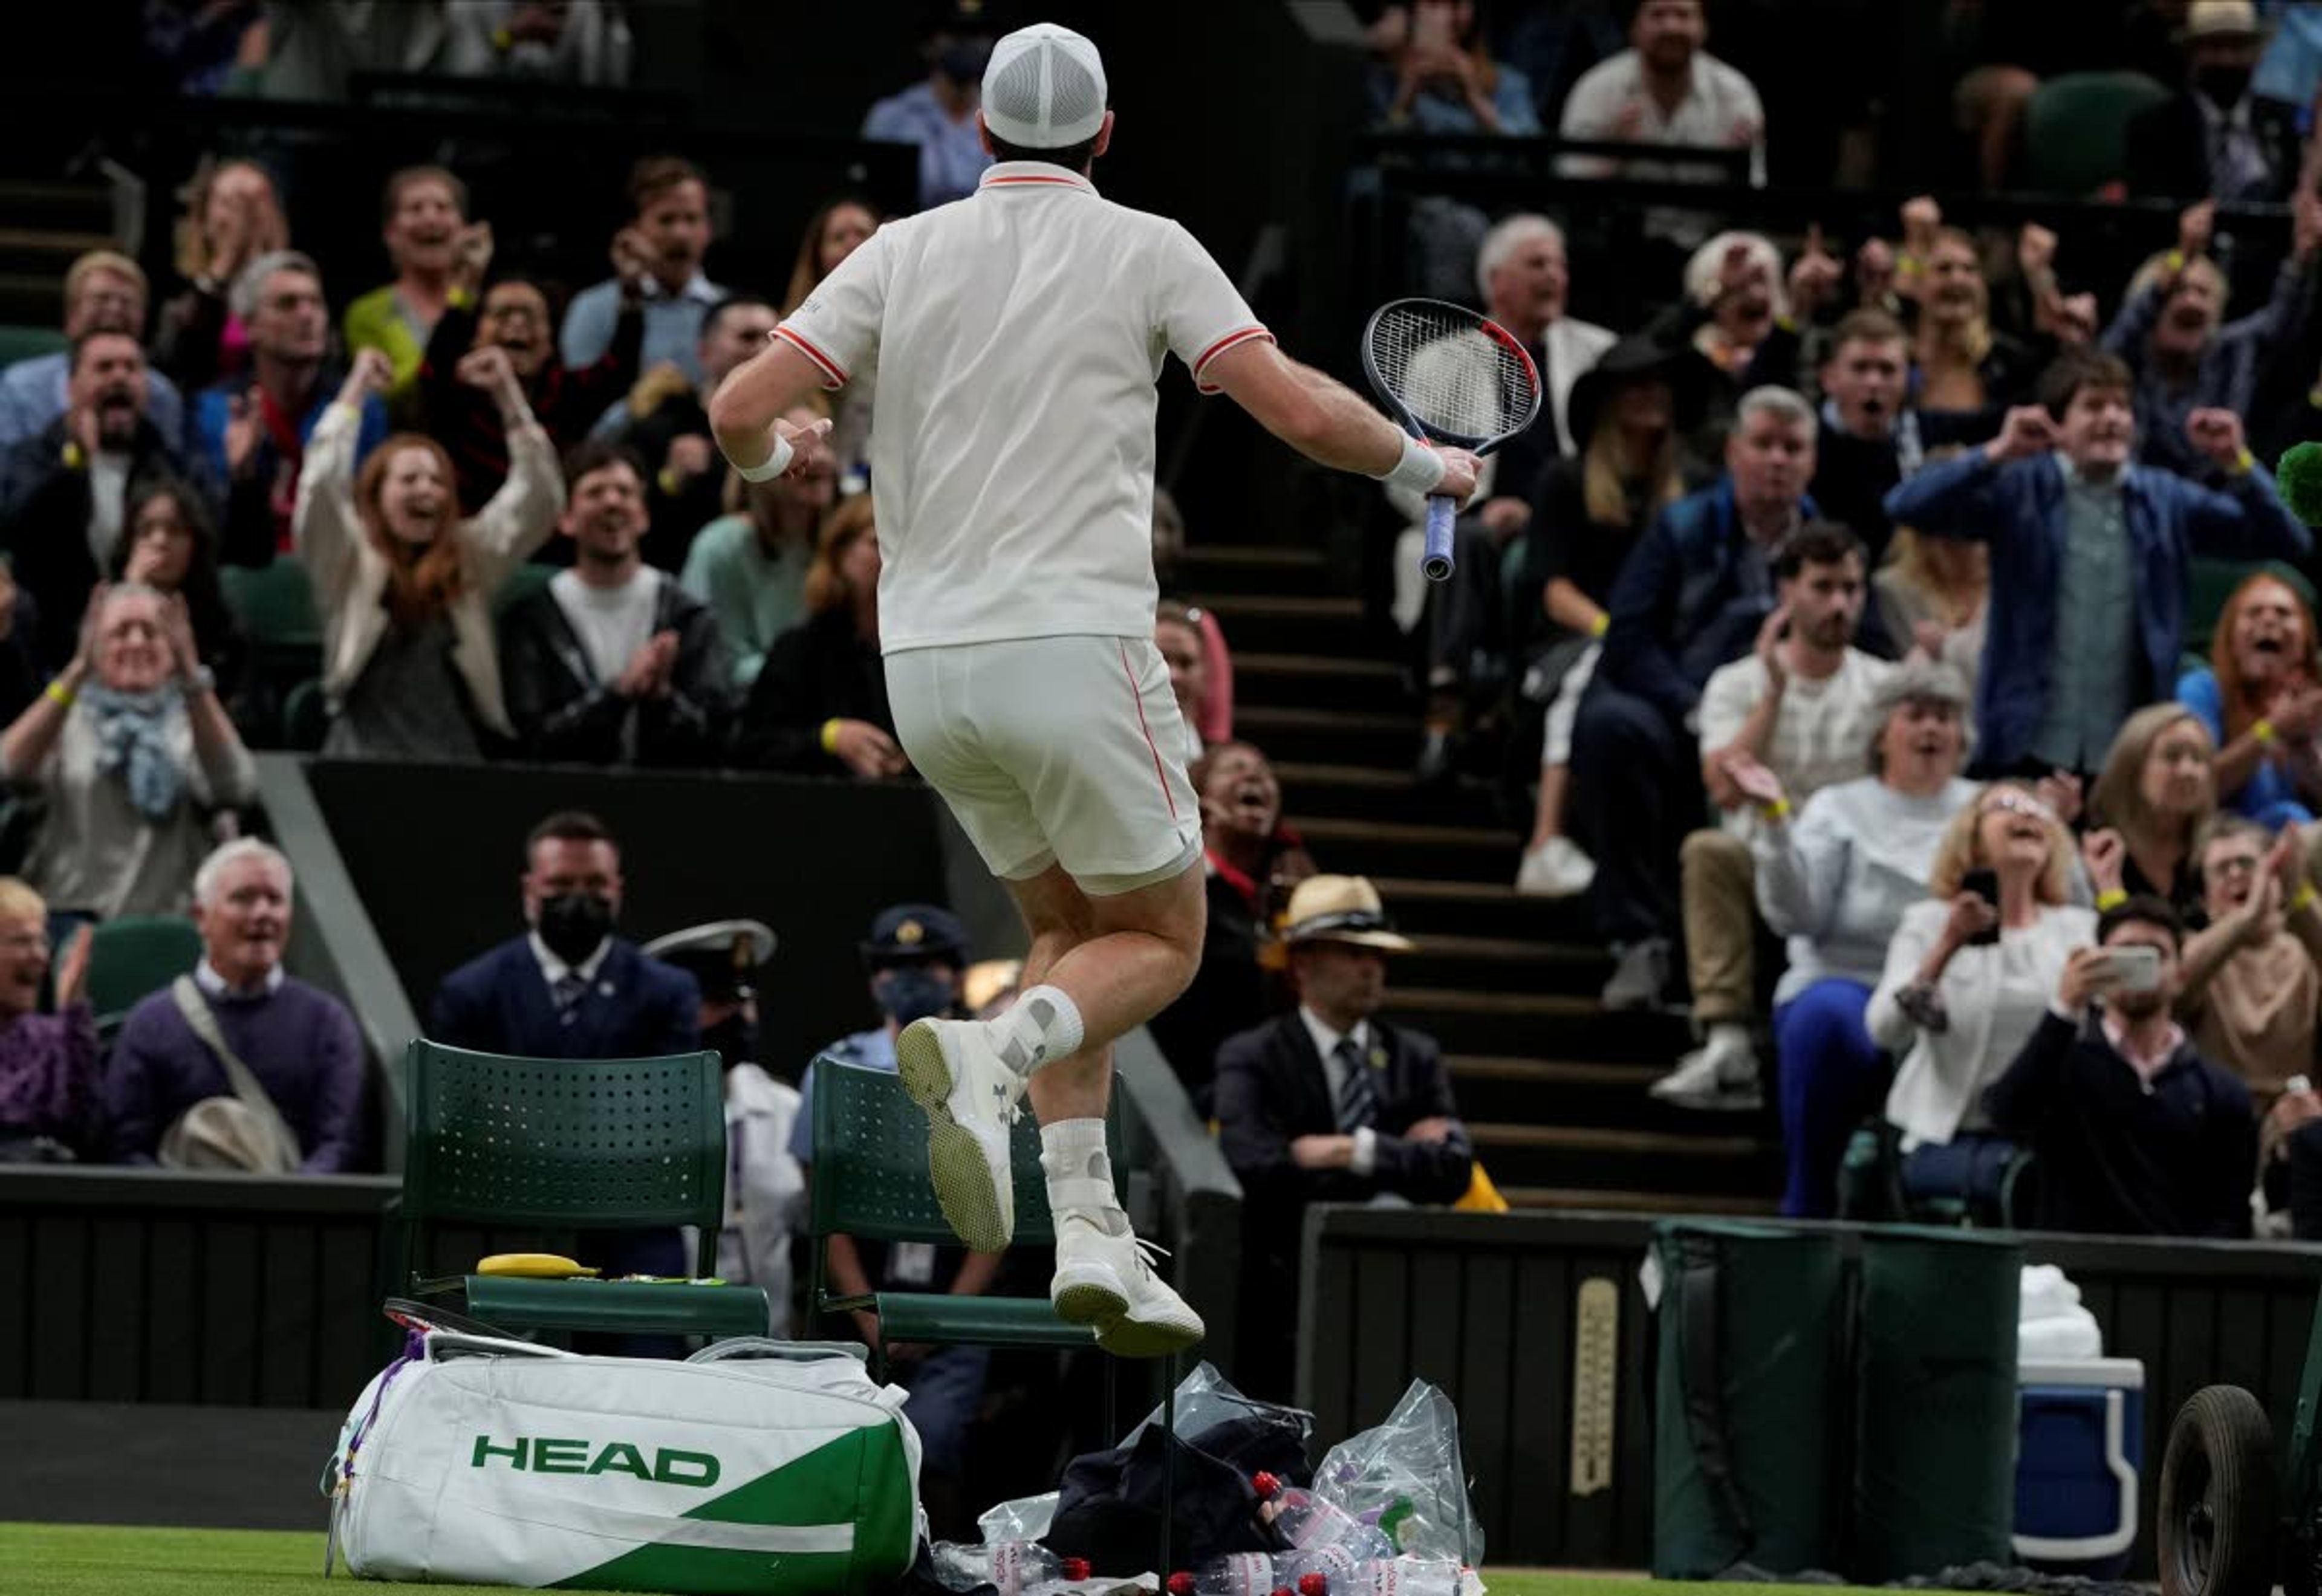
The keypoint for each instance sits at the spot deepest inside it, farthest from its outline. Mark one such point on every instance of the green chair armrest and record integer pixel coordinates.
(618, 1306)
(944, 1321)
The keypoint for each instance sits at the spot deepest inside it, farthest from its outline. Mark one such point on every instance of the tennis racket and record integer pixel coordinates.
(1452, 377)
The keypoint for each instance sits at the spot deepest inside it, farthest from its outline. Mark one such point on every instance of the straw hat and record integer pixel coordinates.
(1342, 908)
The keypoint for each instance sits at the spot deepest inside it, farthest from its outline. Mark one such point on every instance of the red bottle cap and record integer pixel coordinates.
(1266, 1486)
(1316, 1583)
(1076, 1568)
(1181, 1583)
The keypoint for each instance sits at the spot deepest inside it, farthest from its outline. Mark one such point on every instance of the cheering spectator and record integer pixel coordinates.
(915, 954)
(1693, 596)
(2184, 356)
(661, 248)
(1177, 633)
(2215, 139)
(64, 491)
(1628, 413)
(254, 438)
(126, 747)
(1735, 326)
(1968, 977)
(424, 222)
(613, 663)
(2250, 986)
(750, 567)
(404, 585)
(1439, 77)
(1801, 705)
(2088, 557)
(1935, 592)
(1837, 884)
(938, 114)
(232, 217)
(2158, 788)
(2133, 1131)
(819, 704)
(1664, 88)
(51, 1075)
(832, 234)
(1252, 863)
(299, 1043)
(1964, 371)
(2259, 701)
(1873, 437)
(1329, 1104)
(666, 425)
(514, 317)
(104, 292)
(167, 544)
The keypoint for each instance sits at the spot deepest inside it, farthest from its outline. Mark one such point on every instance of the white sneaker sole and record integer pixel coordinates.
(962, 1177)
(1737, 1100)
(1092, 1294)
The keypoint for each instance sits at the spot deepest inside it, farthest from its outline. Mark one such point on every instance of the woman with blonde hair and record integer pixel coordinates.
(410, 665)
(1936, 591)
(1962, 367)
(232, 217)
(2259, 698)
(1970, 973)
(2157, 789)
(750, 564)
(819, 704)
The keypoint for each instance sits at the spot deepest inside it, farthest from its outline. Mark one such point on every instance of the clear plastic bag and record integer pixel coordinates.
(1206, 1398)
(1406, 1475)
(1027, 1518)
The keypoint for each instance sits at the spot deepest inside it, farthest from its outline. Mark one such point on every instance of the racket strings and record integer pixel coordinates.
(1453, 377)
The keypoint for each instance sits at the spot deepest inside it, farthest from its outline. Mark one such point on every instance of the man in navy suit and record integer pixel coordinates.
(570, 988)
(1328, 1104)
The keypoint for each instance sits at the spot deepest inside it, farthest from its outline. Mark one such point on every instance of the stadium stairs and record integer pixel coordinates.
(49, 223)
(1551, 1084)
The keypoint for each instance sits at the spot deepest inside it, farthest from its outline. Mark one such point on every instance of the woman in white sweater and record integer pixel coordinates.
(1970, 973)
(1836, 880)
(410, 666)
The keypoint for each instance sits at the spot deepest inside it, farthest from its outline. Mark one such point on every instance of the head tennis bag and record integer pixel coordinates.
(750, 1468)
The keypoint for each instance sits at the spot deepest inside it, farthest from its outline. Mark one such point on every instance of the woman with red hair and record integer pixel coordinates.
(404, 585)
(2261, 698)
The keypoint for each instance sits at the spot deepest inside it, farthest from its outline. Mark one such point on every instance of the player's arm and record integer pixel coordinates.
(746, 413)
(1331, 424)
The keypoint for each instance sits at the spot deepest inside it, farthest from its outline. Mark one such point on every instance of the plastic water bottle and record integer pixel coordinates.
(1309, 1523)
(1404, 1576)
(1238, 1574)
(1014, 1566)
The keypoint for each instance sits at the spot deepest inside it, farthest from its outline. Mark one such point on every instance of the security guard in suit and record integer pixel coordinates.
(1328, 1104)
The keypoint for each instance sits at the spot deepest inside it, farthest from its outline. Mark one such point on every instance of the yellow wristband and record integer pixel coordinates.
(2244, 463)
(461, 298)
(2304, 899)
(668, 483)
(1779, 809)
(2262, 731)
(55, 692)
(1601, 625)
(75, 456)
(2110, 899)
(2174, 260)
(830, 735)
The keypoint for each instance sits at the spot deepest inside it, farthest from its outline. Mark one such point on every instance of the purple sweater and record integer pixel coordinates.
(299, 1041)
(49, 1084)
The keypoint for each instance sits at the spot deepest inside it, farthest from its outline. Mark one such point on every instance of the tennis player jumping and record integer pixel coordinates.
(1017, 335)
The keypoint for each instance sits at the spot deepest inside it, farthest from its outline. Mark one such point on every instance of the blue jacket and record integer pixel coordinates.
(637, 1008)
(2019, 509)
(1678, 609)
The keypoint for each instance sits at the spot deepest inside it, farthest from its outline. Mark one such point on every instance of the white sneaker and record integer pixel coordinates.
(953, 1073)
(1108, 1282)
(1720, 1075)
(1555, 869)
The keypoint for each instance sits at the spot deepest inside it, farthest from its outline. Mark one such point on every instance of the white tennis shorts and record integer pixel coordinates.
(1053, 750)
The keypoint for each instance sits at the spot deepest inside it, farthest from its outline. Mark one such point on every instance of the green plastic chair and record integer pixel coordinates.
(2076, 128)
(20, 343)
(573, 1144)
(521, 584)
(135, 956)
(275, 602)
(306, 717)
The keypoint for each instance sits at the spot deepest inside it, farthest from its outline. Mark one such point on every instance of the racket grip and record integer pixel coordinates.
(1436, 563)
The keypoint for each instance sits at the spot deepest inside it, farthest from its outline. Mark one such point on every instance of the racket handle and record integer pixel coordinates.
(1436, 564)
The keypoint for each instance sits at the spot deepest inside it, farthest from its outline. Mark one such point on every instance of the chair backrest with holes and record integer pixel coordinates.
(617, 1144)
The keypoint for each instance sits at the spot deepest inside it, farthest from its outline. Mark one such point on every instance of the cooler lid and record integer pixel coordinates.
(2120, 1373)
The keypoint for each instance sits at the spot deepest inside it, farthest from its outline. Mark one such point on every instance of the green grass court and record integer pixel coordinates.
(102, 1560)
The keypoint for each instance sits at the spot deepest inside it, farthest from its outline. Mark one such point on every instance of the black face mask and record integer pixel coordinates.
(910, 994)
(963, 60)
(735, 1037)
(573, 923)
(2222, 87)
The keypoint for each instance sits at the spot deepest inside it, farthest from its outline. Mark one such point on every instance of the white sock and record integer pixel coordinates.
(1080, 1173)
(1041, 1026)
(1727, 1033)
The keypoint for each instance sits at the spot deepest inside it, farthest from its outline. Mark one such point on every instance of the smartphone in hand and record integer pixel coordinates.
(1984, 884)
(2132, 967)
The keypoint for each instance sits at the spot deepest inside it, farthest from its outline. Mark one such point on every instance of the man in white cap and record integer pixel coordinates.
(1018, 335)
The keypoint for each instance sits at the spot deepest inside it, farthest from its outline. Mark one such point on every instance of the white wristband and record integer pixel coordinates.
(1420, 469)
(775, 464)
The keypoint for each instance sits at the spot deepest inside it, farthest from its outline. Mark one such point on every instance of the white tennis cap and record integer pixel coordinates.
(1044, 88)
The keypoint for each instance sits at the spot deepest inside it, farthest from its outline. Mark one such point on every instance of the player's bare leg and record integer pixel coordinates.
(1097, 968)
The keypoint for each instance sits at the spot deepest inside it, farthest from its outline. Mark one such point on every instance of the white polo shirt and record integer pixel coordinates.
(1018, 335)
